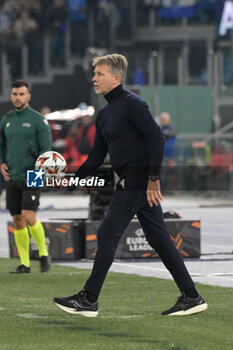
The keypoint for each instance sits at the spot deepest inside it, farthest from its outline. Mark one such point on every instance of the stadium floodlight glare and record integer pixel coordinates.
(70, 114)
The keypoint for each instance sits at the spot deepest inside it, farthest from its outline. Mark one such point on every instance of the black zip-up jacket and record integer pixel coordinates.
(126, 129)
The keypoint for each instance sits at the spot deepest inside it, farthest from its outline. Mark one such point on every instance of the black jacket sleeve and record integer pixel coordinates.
(142, 119)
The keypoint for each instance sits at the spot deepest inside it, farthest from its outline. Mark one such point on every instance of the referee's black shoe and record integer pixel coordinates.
(45, 263)
(186, 306)
(78, 305)
(21, 269)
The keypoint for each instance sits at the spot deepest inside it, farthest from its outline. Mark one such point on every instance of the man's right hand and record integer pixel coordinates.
(4, 171)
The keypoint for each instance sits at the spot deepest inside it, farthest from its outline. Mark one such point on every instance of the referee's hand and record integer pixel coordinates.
(4, 171)
(153, 193)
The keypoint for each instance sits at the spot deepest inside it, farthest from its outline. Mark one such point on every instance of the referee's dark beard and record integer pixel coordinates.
(19, 108)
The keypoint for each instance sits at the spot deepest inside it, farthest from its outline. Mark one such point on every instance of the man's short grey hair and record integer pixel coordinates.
(117, 63)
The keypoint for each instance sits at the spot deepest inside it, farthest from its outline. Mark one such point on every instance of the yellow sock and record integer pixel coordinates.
(37, 233)
(22, 244)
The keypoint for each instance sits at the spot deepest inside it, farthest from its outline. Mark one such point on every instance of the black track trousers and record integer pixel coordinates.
(125, 204)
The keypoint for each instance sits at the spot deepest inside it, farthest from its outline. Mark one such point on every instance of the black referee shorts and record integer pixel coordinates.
(20, 197)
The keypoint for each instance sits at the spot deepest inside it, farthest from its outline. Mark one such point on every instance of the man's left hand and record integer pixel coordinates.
(154, 196)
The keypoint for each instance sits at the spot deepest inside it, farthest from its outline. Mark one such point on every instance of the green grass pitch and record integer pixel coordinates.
(129, 314)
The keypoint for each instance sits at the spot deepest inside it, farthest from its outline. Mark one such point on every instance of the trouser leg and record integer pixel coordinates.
(121, 210)
(152, 222)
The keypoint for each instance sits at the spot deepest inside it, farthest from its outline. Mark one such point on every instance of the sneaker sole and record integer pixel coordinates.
(193, 310)
(75, 312)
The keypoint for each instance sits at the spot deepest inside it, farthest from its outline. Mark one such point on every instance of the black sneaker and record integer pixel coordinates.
(186, 306)
(45, 263)
(21, 269)
(78, 304)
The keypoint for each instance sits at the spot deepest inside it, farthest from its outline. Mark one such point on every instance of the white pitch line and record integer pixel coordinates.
(194, 274)
(221, 274)
(223, 247)
(139, 267)
(221, 227)
(156, 269)
(212, 274)
(222, 278)
(31, 316)
(123, 316)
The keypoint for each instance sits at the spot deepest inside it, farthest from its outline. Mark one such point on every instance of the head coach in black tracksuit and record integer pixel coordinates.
(126, 129)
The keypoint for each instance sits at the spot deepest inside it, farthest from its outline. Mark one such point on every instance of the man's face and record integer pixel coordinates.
(165, 119)
(20, 97)
(104, 80)
(86, 120)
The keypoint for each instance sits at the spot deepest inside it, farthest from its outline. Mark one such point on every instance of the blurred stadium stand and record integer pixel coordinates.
(178, 61)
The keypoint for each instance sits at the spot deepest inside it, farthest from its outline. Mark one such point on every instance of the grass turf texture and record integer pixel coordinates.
(129, 314)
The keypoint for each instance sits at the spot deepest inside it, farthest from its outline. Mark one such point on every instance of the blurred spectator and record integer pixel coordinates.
(57, 16)
(27, 28)
(13, 8)
(24, 25)
(13, 53)
(86, 135)
(139, 77)
(123, 18)
(170, 134)
(79, 142)
(168, 168)
(55, 127)
(70, 151)
(45, 110)
(78, 22)
(78, 10)
(5, 22)
(36, 12)
(102, 17)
